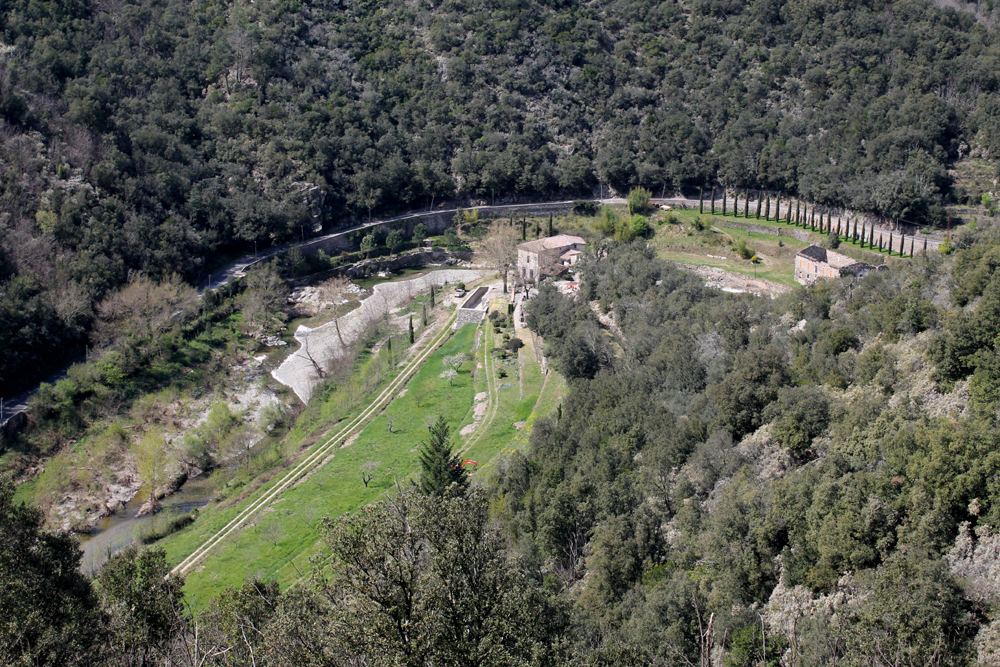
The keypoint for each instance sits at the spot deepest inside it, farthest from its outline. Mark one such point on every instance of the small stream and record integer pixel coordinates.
(123, 528)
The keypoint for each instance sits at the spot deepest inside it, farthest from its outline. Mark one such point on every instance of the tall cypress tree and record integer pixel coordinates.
(441, 470)
(411, 330)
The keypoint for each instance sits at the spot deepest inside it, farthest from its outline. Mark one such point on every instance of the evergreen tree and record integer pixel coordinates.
(440, 468)
(51, 615)
(411, 330)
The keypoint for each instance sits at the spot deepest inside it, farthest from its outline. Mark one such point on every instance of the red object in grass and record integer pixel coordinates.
(467, 462)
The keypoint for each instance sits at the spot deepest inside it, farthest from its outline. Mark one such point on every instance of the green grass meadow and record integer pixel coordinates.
(282, 542)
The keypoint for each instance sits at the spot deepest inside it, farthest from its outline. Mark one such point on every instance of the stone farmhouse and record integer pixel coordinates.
(548, 257)
(814, 263)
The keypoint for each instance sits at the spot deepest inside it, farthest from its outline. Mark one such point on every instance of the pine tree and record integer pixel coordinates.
(441, 470)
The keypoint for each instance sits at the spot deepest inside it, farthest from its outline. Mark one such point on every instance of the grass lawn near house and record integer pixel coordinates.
(774, 242)
(507, 424)
(279, 542)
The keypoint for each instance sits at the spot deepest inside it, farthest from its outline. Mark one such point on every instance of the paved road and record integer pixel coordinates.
(15, 405)
(235, 270)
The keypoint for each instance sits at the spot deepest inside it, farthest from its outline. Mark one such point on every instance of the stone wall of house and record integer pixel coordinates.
(808, 271)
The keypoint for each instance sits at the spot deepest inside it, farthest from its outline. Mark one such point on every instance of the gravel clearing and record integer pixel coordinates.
(320, 345)
(735, 283)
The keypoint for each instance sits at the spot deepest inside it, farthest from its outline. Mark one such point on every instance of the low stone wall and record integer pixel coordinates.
(473, 310)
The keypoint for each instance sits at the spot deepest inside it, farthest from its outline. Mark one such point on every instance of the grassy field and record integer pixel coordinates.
(705, 239)
(278, 544)
(515, 383)
(282, 541)
(528, 396)
(712, 240)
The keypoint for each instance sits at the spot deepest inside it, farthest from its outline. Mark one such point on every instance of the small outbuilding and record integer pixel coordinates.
(815, 262)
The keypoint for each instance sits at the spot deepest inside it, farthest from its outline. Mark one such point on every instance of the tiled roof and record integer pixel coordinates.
(814, 252)
(552, 243)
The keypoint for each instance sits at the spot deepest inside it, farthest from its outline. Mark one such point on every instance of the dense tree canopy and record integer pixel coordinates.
(158, 134)
(715, 458)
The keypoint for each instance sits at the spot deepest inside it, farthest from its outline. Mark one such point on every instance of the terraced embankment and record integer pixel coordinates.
(316, 457)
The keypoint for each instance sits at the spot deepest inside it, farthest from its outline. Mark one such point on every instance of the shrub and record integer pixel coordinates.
(172, 526)
(743, 250)
(638, 200)
(800, 414)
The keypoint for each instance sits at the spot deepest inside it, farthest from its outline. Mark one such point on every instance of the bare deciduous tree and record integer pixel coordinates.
(368, 472)
(307, 353)
(334, 291)
(498, 249)
(142, 310)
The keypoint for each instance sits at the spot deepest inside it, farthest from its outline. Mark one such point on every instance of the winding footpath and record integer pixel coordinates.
(488, 343)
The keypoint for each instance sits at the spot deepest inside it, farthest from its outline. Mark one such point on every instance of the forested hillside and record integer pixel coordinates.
(157, 135)
(814, 477)
(731, 480)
